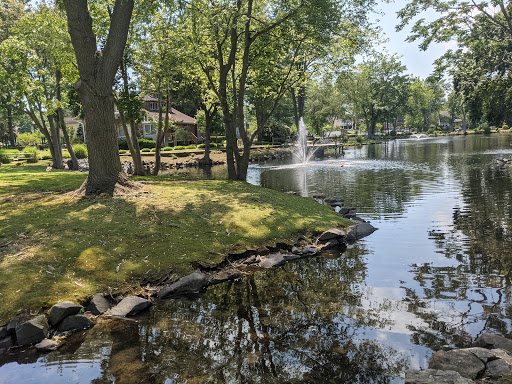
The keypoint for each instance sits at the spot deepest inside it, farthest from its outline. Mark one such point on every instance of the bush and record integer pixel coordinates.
(65, 154)
(201, 145)
(485, 128)
(431, 131)
(359, 139)
(191, 146)
(167, 149)
(145, 150)
(5, 159)
(123, 151)
(505, 127)
(122, 144)
(179, 147)
(152, 150)
(392, 133)
(80, 151)
(31, 154)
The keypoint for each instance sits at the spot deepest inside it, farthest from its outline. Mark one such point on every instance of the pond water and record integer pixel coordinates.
(435, 275)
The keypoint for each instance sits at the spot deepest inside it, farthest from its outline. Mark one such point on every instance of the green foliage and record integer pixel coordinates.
(431, 131)
(359, 139)
(80, 151)
(29, 138)
(485, 128)
(392, 133)
(167, 149)
(153, 149)
(275, 131)
(191, 146)
(505, 127)
(65, 154)
(145, 150)
(179, 147)
(201, 145)
(123, 151)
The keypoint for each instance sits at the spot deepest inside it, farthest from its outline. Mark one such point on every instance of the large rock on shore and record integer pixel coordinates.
(74, 322)
(98, 305)
(225, 275)
(192, 283)
(358, 231)
(272, 260)
(47, 345)
(493, 341)
(32, 331)
(333, 233)
(62, 310)
(435, 376)
(129, 306)
(458, 360)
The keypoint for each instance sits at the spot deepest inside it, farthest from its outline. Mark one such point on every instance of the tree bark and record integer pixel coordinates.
(10, 124)
(209, 114)
(58, 162)
(161, 132)
(97, 71)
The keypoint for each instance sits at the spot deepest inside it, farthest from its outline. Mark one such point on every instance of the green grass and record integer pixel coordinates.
(54, 246)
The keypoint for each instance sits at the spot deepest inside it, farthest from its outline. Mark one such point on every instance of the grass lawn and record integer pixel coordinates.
(55, 247)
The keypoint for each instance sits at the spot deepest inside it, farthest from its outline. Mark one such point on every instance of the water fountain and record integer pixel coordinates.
(419, 136)
(302, 152)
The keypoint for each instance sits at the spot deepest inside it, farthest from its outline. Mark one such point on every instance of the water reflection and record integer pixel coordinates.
(435, 274)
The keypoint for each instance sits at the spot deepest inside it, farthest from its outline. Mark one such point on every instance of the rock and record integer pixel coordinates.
(7, 342)
(334, 200)
(319, 196)
(98, 305)
(493, 341)
(358, 219)
(502, 354)
(498, 367)
(358, 231)
(291, 257)
(129, 306)
(32, 331)
(3, 332)
(333, 233)
(11, 327)
(295, 250)
(434, 376)
(189, 284)
(347, 210)
(225, 275)
(458, 360)
(310, 250)
(47, 345)
(483, 354)
(2, 351)
(250, 260)
(272, 260)
(74, 322)
(62, 310)
(330, 244)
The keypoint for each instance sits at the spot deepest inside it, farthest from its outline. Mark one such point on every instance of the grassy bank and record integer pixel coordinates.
(57, 247)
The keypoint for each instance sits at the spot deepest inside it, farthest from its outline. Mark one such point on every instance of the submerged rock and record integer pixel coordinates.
(493, 341)
(434, 376)
(74, 322)
(458, 360)
(192, 283)
(358, 231)
(98, 305)
(47, 345)
(32, 331)
(62, 310)
(129, 306)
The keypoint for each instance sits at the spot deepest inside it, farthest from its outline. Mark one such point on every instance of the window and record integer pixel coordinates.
(149, 129)
(120, 132)
(153, 106)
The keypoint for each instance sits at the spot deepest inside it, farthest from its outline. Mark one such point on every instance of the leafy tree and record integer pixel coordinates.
(97, 69)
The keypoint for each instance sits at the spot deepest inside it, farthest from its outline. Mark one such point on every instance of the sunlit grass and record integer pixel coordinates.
(57, 247)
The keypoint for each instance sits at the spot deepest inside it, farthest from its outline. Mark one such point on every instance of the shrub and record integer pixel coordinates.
(65, 154)
(80, 151)
(485, 128)
(153, 150)
(122, 144)
(505, 127)
(167, 149)
(145, 150)
(359, 139)
(147, 143)
(191, 146)
(392, 133)
(5, 159)
(46, 156)
(179, 147)
(122, 151)
(201, 145)
(431, 131)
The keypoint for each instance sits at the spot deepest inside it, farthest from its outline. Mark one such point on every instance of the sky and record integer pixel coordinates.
(418, 63)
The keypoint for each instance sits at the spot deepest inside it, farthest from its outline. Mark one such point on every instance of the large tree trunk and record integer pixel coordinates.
(10, 124)
(209, 113)
(58, 162)
(97, 72)
(161, 133)
(62, 124)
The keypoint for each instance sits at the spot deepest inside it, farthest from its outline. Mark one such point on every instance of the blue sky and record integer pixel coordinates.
(418, 63)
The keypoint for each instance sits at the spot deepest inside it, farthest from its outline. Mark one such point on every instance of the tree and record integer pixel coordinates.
(97, 69)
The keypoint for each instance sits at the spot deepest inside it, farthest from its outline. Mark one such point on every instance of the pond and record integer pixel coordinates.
(435, 275)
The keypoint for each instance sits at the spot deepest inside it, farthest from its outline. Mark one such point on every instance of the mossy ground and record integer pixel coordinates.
(54, 246)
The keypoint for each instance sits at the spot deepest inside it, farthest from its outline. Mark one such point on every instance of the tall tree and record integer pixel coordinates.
(97, 68)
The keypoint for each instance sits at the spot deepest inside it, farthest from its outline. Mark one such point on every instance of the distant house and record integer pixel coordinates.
(185, 128)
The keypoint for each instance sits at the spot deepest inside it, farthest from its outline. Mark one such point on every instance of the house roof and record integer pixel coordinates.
(175, 115)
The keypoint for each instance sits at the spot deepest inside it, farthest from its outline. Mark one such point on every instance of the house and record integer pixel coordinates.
(185, 128)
